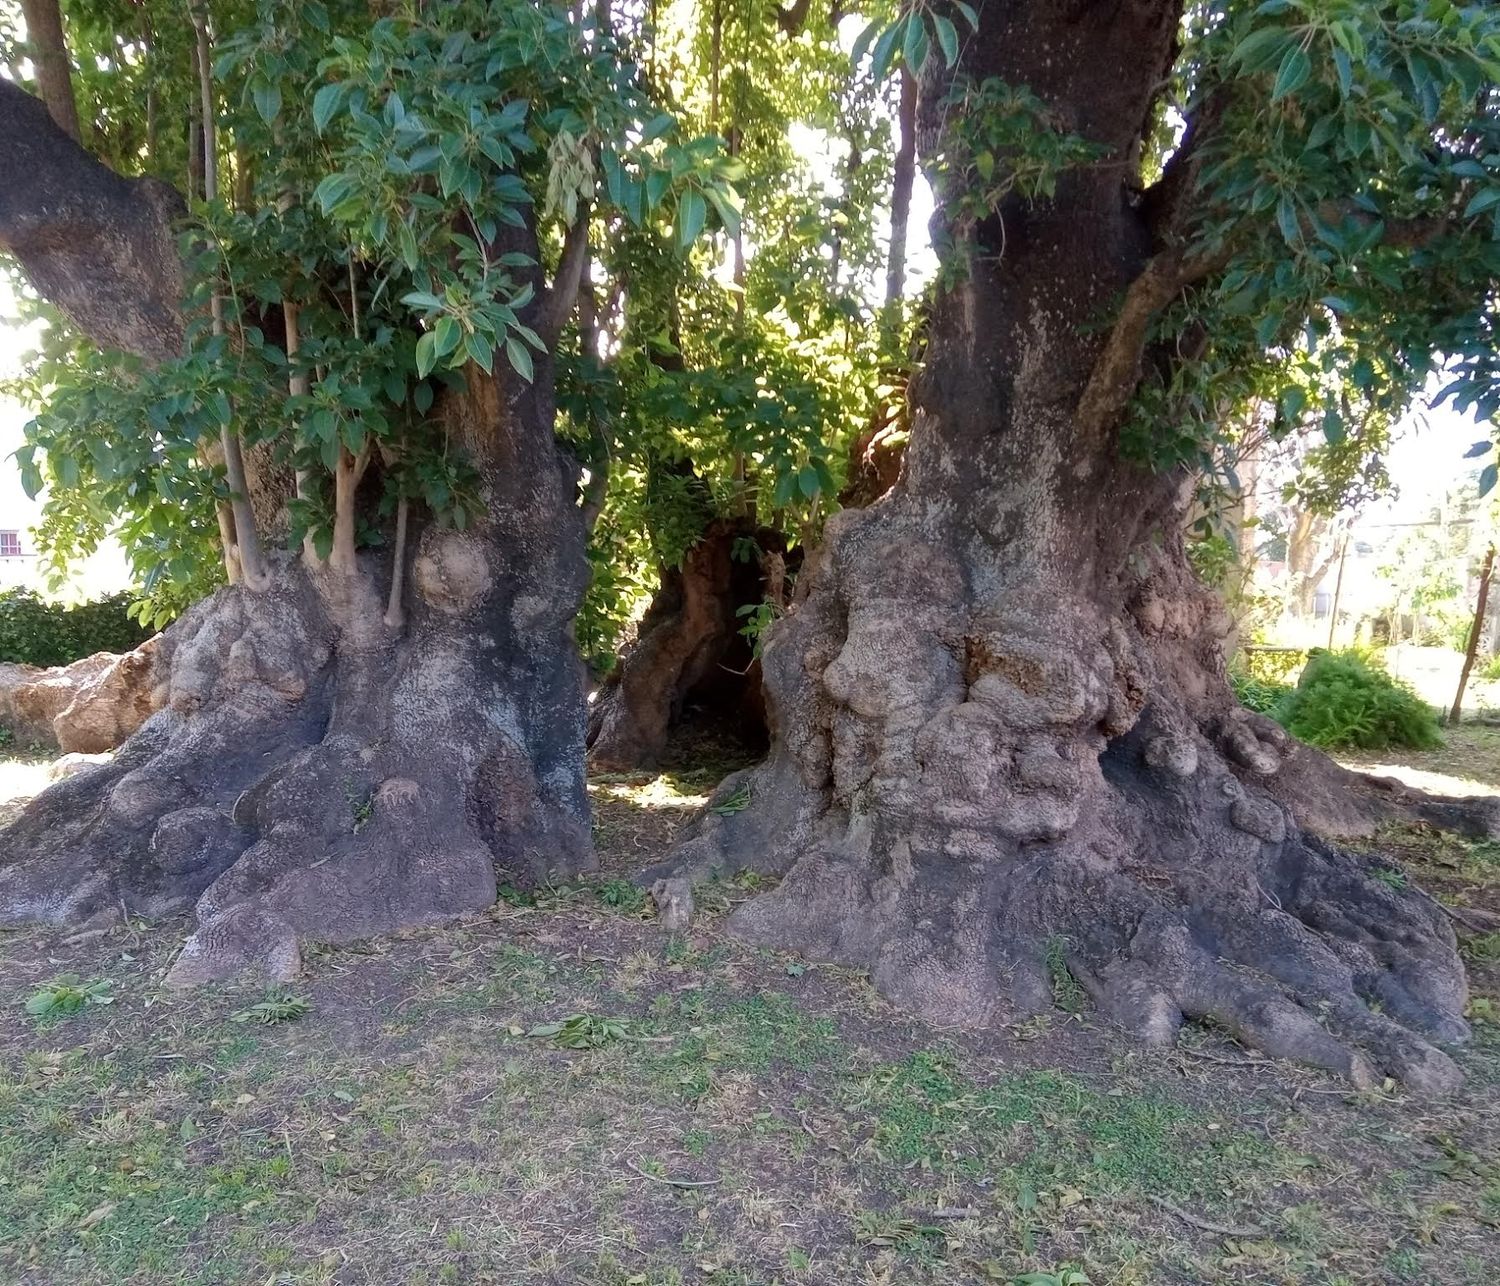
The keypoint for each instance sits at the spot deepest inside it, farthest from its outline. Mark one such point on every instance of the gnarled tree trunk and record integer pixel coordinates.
(1003, 742)
(316, 773)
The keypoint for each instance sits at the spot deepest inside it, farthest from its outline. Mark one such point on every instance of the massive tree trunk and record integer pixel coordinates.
(318, 773)
(1003, 743)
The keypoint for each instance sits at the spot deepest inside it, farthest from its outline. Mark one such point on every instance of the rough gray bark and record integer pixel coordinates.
(99, 246)
(315, 774)
(1003, 742)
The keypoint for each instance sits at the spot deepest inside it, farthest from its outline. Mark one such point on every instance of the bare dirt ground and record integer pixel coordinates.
(554, 1092)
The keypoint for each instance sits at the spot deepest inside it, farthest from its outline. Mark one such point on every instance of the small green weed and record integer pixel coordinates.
(1067, 992)
(1063, 1276)
(68, 994)
(512, 896)
(621, 895)
(735, 803)
(1391, 876)
(582, 1031)
(361, 805)
(277, 1007)
(1484, 949)
(872, 1228)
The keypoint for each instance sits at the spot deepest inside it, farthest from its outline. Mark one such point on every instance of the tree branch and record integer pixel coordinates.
(98, 246)
(1167, 203)
(1118, 368)
(564, 291)
(49, 52)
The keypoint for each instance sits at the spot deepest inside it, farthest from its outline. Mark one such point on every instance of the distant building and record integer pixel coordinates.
(106, 572)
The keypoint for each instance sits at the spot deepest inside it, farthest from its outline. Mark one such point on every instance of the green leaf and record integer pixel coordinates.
(915, 48)
(480, 350)
(1482, 201)
(446, 336)
(729, 216)
(862, 43)
(614, 178)
(807, 481)
(656, 187)
(1477, 450)
(1260, 49)
(426, 354)
(1286, 220)
(947, 36)
(325, 102)
(267, 100)
(692, 210)
(1296, 67)
(1487, 477)
(520, 358)
(885, 49)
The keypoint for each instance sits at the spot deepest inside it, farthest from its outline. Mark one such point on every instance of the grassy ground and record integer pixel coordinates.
(717, 1115)
(1467, 763)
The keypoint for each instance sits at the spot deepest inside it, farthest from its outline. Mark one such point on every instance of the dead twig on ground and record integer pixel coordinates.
(668, 1180)
(1207, 1225)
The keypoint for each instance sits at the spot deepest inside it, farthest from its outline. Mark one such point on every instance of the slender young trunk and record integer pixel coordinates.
(350, 469)
(1338, 592)
(346, 479)
(903, 179)
(395, 609)
(247, 539)
(49, 54)
(299, 384)
(1480, 607)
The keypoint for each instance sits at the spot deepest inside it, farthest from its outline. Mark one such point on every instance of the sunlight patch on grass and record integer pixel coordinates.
(658, 792)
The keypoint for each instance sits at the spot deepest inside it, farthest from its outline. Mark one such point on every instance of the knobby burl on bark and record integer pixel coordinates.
(1002, 738)
(317, 773)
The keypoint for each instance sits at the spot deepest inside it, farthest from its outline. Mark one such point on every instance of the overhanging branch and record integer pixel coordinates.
(564, 292)
(1118, 368)
(99, 246)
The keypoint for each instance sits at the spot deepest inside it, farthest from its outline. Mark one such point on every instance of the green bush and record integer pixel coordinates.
(36, 632)
(1344, 701)
(1256, 694)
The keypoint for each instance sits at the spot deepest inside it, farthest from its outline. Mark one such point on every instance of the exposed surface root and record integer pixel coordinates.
(983, 808)
(306, 783)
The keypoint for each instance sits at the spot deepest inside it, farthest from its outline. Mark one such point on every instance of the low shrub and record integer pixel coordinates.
(1342, 700)
(36, 632)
